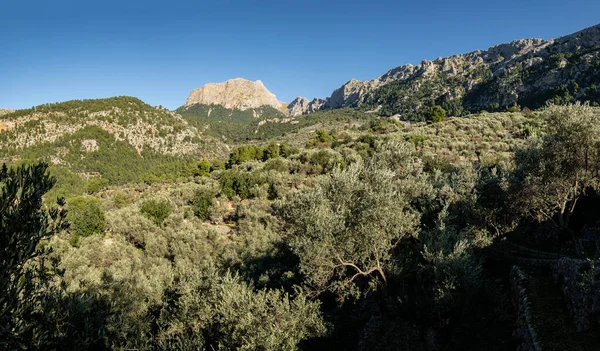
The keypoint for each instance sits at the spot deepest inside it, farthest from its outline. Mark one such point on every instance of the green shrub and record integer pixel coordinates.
(96, 184)
(157, 211)
(272, 151)
(204, 168)
(326, 161)
(85, 216)
(120, 200)
(217, 165)
(436, 114)
(278, 165)
(236, 182)
(203, 202)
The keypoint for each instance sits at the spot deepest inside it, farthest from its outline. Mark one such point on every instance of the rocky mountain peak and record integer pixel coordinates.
(238, 93)
(301, 106)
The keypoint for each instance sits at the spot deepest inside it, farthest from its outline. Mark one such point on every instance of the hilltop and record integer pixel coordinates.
(4, 111)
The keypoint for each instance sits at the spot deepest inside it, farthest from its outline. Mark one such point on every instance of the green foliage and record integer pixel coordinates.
(325, 161)
(278, 165)
(285, 150)
(217, 165)
(514, 108)
(24, 225)
(115, 160)
(400, 221)
(85, 216)
(242, 126)
(95, 185)
(323, 138)
(246, 153)
(203, 202)
(235, 182)
(204, 168)
(383, 125)
(436, 114)
(345, 229)
(88, 105)
(553, 173)
(120, 200)
(451, 270)
(157, 211)
(272, 151)
(416, 140)
(230, 315)
(233, 124)
(67, 185)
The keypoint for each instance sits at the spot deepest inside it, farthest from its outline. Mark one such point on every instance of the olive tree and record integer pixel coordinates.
(345, 229)
(24, 224)
(216, 311)
(554, 172)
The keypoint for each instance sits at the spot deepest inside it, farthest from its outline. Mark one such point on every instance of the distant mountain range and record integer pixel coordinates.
(526, 72)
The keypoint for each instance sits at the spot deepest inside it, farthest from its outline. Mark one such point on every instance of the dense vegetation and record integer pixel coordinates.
(258, 124)
(353, 232)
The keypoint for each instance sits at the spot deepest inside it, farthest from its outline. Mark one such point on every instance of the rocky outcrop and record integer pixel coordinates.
(236, 93)
(348, 94)
(5, 111)
(301, 106)
(525, 71)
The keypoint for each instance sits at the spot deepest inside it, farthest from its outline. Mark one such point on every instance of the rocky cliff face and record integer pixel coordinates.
(301, 106)
(236, 93)
(527, 72)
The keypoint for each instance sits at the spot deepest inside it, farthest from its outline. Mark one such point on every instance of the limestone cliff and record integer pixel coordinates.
(236, 93)
(301, 106)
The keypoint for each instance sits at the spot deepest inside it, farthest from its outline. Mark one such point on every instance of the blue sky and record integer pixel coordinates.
(55, 50)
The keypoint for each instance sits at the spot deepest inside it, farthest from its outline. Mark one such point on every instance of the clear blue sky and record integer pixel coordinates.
(55, 50)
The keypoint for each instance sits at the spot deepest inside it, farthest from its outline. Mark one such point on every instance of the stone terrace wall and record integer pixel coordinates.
(524, 325)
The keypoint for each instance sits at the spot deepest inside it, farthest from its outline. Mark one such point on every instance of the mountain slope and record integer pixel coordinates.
(120, 139)
(528, 72)
(127, 119)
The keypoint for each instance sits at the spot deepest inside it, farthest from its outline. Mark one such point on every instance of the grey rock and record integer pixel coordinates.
(504, 61)
(301, 106)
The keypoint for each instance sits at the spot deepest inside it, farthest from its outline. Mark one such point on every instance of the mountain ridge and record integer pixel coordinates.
(458, 77)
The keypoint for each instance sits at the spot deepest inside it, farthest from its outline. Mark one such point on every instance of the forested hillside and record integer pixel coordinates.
(92, 143)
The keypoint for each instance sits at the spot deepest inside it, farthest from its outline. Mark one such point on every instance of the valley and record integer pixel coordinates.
(426, 209)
